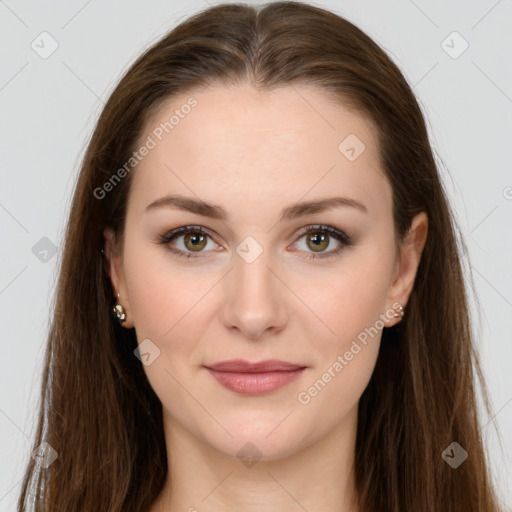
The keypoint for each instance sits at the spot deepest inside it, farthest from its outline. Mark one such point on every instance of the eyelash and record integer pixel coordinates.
(344, 239)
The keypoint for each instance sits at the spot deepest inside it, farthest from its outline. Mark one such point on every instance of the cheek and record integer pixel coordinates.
(155, 302)
(349, 299)
(170, 306)
(350, 304)
(163, 296)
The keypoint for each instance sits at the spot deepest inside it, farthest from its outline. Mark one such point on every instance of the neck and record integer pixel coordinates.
(318, 476)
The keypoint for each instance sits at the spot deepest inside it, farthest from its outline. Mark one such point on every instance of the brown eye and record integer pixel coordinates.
(317, 241)
(195, 241)
(188, 241)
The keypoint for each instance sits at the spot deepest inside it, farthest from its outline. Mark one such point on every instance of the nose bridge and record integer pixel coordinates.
(254, 296)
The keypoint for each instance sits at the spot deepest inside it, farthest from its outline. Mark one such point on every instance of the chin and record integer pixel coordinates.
(265, 440)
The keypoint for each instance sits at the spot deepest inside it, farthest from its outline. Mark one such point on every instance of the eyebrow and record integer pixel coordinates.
(217, 212)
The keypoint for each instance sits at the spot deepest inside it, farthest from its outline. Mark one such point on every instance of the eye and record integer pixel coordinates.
(195, 239)
(318, 238)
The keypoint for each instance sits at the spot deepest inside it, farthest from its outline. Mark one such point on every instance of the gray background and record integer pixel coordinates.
(49, 106)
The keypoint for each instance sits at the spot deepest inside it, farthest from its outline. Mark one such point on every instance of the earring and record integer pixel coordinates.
(400, 313)
(119, 311)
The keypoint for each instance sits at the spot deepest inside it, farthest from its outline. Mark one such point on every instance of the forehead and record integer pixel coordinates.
(281, 144)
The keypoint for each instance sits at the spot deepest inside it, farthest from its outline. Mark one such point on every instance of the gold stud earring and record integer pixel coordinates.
(119, 311)
(400, 313)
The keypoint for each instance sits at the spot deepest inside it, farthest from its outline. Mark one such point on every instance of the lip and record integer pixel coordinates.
(256, 378)
(243, 366)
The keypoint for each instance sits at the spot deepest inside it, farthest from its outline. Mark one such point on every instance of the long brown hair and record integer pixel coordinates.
(98, 410)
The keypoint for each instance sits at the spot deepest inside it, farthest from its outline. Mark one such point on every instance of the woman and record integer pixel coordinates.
(290, 327)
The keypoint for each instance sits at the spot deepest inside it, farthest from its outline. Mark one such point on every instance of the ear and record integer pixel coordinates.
(408, 261)
(115, 271)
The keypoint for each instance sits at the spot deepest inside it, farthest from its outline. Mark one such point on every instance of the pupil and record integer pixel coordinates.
(196, 239)
(318, 238)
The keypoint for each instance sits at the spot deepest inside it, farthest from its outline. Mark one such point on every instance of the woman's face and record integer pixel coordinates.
(254, 286)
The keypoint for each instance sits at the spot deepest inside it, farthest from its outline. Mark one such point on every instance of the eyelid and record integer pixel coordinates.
(335, 232)
(183, 230)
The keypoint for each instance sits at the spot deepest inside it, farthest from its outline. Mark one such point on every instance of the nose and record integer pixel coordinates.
(255, 298)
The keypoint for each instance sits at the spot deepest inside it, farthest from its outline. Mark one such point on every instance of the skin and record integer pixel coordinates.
(243, 149)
